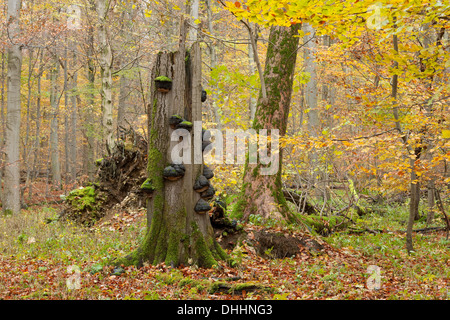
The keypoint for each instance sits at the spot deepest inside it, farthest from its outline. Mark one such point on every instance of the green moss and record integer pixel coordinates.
(148, 185)
(185, 124)
(204, 256)
(98, 161)
(83, 199)
(163, 79)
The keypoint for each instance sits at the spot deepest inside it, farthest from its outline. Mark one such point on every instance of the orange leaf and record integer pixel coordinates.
(237, 4)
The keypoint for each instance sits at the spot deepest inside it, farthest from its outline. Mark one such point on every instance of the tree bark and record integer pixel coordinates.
(262, 194)
(54, 136)
(73, 120)
(11, 204)
(106, 59)
(89, 163)
(176, 234)
(213, 60)
(3, 125)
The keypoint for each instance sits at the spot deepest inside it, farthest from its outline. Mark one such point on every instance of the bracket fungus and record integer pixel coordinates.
(202, 206)
(173, 172)
(209, 193)
(185, 125)
(147, 186)
(203, 95)
(201, 184)
(175, 120)
(163, 84)
(207, 172)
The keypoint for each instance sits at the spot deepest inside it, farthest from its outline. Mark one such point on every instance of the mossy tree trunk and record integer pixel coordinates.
(176, 234)
(263, 194)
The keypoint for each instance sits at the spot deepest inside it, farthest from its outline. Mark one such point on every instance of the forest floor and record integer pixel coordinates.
(41, 258)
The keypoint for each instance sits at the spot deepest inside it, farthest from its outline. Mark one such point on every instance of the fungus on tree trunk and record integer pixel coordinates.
(175, 120)
(202, 206)
(147, 186)
(203, 95)
(185, 125)
(207, 172)
(201, 184)
(176, 234)
(173, 172)
(163, 84)
(209, 193)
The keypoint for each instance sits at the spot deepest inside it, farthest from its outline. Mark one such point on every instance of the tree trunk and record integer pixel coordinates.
(311, 101)
(262, 193)
(176, 234)
(106, 60)
(73, 120)
(11, 204)
(54, 136)
(252, 66)
(36, 167)
(89, 163)
(3, 125)
(213, 58)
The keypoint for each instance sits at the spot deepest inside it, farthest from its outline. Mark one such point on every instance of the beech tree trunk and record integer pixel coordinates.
(106, 60)
(54, 136)
(11, 196)
(262, 194)
(176, 234)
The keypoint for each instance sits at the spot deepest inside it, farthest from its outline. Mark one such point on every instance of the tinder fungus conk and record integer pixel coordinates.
(201, 184)
(202, 207)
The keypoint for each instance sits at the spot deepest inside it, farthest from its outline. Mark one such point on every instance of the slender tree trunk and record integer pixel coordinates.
(261, 194)
(73, 119)
(89, 163)
(252, 67)
(66, 119)
(194, 6)
(11, 204)
(414, 185)
(176, 234)
(106, 60)
(213, 61)
(36, 167)
(54, 134)
(311, 101)
(3, 125)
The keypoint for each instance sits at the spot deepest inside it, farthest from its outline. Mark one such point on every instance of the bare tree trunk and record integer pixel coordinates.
(311, 101)
(106, 60)
(73, 119)
(252, 66)
(89, 163)
(36, 167)
(54, 135)
(11, 204)
(66, 119)
(213, 59)
(3, 125)
(194, 6)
